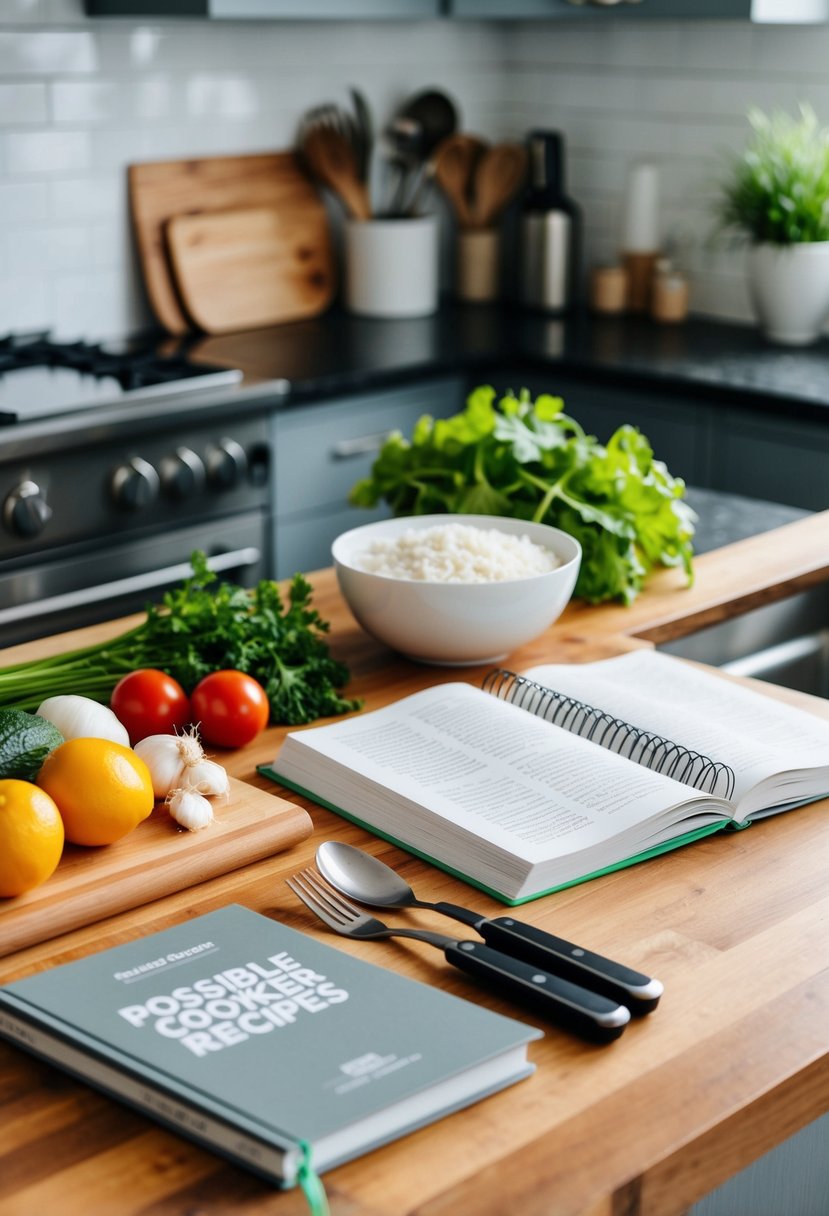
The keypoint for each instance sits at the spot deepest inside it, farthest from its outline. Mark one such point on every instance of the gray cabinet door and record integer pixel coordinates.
(665, 10)
(239, 10)
(678, 430)
(762, 456)
(329, 10)
(322, 449)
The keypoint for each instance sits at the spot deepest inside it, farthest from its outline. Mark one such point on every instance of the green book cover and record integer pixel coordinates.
(264, 1043)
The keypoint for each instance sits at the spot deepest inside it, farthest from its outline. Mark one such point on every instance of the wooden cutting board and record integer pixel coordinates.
(156, 859)
(244, 269)
(160, 190)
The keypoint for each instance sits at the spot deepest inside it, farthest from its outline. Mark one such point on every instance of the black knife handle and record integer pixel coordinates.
(639, 992)
(587, 1013)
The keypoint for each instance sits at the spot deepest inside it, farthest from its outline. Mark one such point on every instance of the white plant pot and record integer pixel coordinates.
(789, 287)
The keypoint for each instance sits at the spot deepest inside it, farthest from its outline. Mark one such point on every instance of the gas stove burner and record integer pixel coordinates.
(79, 375)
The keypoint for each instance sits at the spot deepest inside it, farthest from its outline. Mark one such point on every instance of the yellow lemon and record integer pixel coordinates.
(31, 837)
(102, 789)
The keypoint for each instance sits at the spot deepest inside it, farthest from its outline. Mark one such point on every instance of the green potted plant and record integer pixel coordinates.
(776, 194)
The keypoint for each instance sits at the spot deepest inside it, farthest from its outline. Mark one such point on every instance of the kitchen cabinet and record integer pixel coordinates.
(322, 449)
(792, 12)
(679, 431)
(230, 10)
(764, 456)
(776, 456)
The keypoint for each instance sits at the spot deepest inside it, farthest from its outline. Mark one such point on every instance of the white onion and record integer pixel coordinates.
(81, 718)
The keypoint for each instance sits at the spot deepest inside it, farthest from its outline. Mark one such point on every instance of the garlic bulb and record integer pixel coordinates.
(190, 809)
(82, 718)
(170, 758)
(206, 777)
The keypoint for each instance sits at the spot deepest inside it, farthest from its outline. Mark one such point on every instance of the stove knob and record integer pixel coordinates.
(182, 474)
(227, 464)
(134, 485)
(26, 512)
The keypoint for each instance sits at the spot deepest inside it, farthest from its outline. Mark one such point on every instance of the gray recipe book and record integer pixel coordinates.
(263, 1044)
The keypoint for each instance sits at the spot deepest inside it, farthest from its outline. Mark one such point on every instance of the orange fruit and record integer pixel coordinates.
(31, 837)
(102, 789)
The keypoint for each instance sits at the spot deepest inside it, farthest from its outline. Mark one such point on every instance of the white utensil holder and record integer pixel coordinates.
(391, 266)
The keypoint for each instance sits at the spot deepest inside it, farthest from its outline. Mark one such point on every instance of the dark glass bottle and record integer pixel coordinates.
(550, 230)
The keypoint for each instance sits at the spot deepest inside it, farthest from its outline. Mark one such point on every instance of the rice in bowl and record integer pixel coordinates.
(456, 553)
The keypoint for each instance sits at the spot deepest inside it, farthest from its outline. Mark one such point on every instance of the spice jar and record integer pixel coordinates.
(669, 293)
(609, 289)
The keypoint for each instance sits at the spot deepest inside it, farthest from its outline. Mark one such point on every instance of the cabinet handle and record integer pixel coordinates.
(361, 445)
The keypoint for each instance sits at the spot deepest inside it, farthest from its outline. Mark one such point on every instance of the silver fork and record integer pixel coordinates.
(587, 1013)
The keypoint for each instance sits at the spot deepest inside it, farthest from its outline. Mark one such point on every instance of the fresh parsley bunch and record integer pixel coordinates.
(201, 626)
(529, 459)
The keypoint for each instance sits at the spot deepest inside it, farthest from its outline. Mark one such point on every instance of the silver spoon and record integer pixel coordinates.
(370, 881)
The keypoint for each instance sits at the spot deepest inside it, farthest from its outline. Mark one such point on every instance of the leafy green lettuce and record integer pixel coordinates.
(529, 459)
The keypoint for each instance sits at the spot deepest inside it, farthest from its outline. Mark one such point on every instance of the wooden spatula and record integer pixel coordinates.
(499, 175)
(455, 159)
(330, 157)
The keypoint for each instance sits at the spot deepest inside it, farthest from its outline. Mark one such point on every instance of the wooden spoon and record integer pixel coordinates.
(330, 157)
(455, 159)
(499, 175)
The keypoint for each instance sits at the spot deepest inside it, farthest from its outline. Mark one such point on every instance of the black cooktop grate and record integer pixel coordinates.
(133, 366)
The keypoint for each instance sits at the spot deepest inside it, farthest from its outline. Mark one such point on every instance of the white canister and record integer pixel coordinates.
(391, 266)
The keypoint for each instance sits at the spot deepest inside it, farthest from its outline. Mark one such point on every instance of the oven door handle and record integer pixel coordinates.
(237, 559)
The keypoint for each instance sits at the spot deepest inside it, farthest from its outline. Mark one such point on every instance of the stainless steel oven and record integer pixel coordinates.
(53, 595)
(103, 502)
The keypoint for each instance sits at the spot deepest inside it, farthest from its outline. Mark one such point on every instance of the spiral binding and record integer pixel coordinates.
(642, 746)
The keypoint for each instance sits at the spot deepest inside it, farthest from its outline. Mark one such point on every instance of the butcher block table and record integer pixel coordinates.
(732, 1062)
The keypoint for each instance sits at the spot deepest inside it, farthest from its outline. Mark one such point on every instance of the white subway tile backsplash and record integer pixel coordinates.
(213, 95)
(47, 151)
(81, 99)
(23, 202)
(23, 11)
(25, 303)
(101, 303)
(88, 198)
(46, 250)
(92, 102)
(21, 104)
(47, 52)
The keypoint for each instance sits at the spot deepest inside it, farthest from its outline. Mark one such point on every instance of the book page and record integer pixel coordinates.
(757, 736)
(480, 763)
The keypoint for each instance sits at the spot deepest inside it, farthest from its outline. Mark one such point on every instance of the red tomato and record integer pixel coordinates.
(231, 708)
(149, 702)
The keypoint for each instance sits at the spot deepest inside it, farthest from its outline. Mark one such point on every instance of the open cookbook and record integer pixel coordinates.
(545, 779)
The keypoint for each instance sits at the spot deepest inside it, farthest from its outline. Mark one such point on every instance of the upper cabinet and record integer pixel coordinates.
(789, 12)
(232, 10)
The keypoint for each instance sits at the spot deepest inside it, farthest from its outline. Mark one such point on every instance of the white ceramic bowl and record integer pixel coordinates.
(455, 623)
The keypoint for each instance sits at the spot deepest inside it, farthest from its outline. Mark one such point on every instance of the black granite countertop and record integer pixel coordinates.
(336, 355)
(339, 353)
(724, 518)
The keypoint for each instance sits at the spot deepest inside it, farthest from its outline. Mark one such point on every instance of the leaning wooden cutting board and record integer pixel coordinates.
(161, 190)
(244, 269)
(156, 859)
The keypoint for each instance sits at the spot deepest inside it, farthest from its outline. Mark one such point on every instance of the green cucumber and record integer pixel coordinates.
(25, 742)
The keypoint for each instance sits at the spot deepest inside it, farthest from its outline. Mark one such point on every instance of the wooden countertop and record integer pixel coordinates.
(734, 1060)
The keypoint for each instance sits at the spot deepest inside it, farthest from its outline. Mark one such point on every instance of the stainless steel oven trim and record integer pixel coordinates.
(239, 559)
